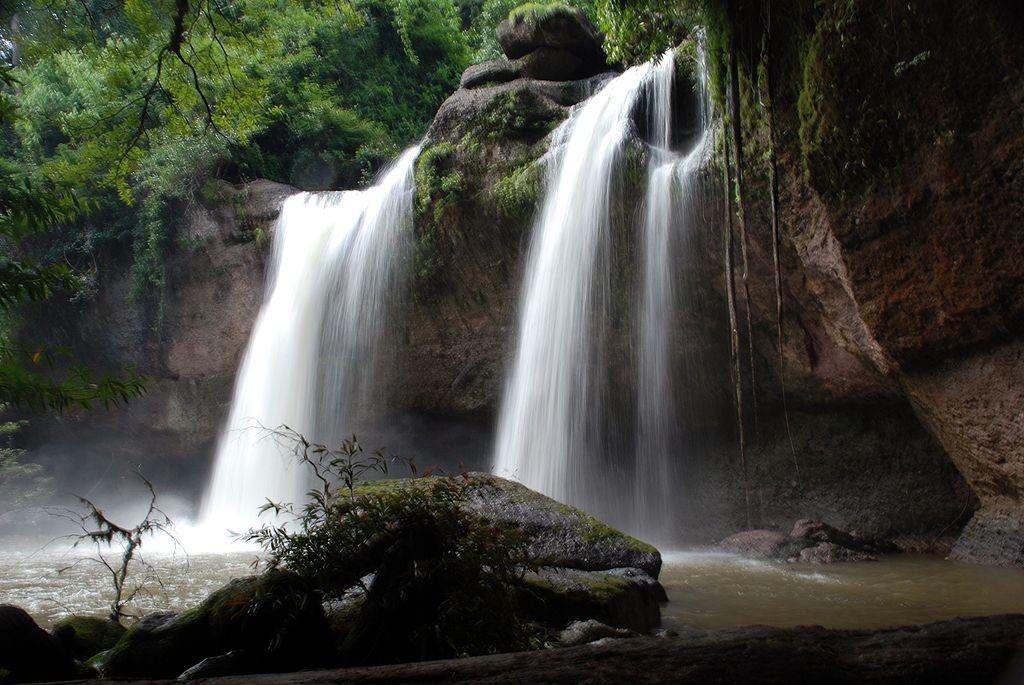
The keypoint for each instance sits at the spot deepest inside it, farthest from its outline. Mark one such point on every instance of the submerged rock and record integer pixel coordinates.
(86, 636)
(811, 542)
(818, 531)
(831, 553)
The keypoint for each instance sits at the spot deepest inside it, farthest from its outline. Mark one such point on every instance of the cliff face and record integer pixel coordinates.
(914, 150)
(903, 335)
(189, 345)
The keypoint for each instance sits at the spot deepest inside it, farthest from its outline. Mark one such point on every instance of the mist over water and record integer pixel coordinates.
(336, 272)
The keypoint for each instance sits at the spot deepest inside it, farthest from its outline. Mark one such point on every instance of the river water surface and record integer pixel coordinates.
(706, 589)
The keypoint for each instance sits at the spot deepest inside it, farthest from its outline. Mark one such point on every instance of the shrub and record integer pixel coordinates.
(443, 581)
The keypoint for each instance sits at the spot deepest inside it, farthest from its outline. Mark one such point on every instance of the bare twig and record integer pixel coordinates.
(99, 530)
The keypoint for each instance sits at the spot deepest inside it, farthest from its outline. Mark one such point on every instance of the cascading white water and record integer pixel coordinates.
(548, 430)
(335, 271)
(552, 430)
(672, 204)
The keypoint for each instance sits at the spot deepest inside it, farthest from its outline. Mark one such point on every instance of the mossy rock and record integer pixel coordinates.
(558, 535)
(86, 636)
(624, 598)
(275, 616)
(533, 26)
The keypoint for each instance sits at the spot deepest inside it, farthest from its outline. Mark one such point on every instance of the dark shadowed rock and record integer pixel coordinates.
(623, 598)
(29, 653)
(274, 616)
(547, 27)
(583, 632)
(489, 73)
(237, 662)
(962, 651)
(556, 64)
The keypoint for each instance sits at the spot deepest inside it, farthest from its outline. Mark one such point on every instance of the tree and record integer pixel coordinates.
(102, 533)
(28, 376)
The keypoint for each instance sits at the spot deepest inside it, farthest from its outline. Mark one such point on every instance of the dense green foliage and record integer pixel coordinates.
(135, 104)
(28, 375)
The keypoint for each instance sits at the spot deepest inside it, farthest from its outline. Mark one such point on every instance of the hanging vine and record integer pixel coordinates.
(735, 119)
(734, 342)
(773, 183)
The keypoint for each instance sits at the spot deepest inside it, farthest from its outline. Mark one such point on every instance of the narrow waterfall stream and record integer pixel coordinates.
(549, 436)
(671, 212)
(335, 273)
(553, 431)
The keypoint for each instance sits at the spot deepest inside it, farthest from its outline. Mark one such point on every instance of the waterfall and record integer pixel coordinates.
(548, 428)
(555, 428)
(334, 276)
(672, 205)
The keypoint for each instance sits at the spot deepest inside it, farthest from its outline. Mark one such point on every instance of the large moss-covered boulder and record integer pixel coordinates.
(558, 535)
(585, 570)
(275, 617)
(86, 636)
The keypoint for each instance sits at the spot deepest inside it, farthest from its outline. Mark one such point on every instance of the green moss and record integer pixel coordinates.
(260, 613)
(86, 636)
(519, 113)
(439, 187)
(843, 136)
(516, 194)
(438, 184)
(542, 11)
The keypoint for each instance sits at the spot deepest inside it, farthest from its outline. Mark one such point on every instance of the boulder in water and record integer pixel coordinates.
(558, 535)
(763, 544)
(831, 553)
(814, 531)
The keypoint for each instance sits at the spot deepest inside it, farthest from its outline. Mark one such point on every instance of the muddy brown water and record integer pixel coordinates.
(707, 590)
(715, 590)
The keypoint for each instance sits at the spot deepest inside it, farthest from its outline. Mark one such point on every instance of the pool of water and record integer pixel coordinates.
(51, 584)
(716, 590)
(706, 589)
